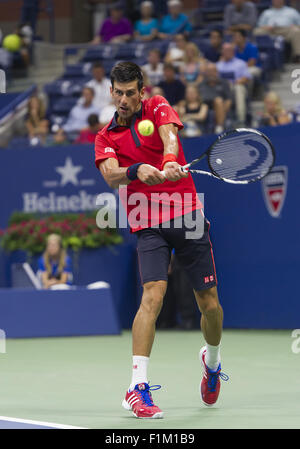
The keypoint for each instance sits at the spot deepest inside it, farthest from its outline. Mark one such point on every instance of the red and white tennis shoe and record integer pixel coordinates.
(210, 384)
(140, 402)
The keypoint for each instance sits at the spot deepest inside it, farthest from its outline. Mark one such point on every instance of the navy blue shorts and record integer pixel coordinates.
(195, 256)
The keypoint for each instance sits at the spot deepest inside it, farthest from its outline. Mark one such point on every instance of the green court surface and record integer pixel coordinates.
(82, 381)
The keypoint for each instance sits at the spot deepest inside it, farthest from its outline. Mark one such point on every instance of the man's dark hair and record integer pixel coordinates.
(97, 65)
(125, 72)
(91, 89)
(169, 66)
(155, 50)
(217, 30)
(241, 31)
(93, 120)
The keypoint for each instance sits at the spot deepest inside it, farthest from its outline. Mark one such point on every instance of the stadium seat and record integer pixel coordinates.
(212, 10)
(63, 105)
(274, 47)
(19, 143)
(77, 70)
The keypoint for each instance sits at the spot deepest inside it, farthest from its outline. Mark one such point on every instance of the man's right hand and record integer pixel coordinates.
(150, 175)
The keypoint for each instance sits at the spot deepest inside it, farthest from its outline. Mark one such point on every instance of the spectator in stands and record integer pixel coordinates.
(147, 86)
(240, 14)
(191, 70)
(248, 52)
(295, 4)
(54, 266)
(58, 138)
(281, 20)
(146, 28)
(192, 112)
(176, 50)
(77, 119)
(154, 69)
(216, 93)
(236, 71)
(115, 29)
(29, 13)
(157, 91)
(101, 86)
(213, 51)
(173, 88)
(88, 135)
(35, 121)
(106, 114)
(175, 22)
(25, 32)
(274, 114)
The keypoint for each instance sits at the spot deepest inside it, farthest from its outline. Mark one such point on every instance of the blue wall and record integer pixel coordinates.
(257, 255)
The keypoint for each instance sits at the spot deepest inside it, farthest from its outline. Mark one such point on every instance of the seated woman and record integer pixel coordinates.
(146, 28)
(192, 112)
(176, 50)
(274, 113)
(191, 71)
(54, 266)
(36, 123)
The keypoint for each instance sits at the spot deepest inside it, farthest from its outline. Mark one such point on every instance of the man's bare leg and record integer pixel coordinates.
(143, 328)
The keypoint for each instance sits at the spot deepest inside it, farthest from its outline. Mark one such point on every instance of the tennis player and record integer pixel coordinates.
(126, 158)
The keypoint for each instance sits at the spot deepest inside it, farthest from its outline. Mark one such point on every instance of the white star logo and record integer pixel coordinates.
(69, 172)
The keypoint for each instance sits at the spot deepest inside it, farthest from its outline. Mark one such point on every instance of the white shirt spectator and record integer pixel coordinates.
(280, 17)
(234, 69)
(155, 75)
(78, 116)
(102, 92)
(106, 114)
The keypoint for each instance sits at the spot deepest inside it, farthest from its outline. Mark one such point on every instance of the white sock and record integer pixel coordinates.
(139, 370)
(212, 356)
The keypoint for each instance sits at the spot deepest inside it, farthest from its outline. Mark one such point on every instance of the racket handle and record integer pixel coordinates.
(182, 168)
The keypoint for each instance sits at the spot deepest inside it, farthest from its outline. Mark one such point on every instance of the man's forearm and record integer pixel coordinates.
(114, 176)
(168, 134)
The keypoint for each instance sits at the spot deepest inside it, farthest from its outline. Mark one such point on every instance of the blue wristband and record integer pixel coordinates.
(132, 171)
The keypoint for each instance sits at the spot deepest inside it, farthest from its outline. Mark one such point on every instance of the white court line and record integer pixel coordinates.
(39, 423)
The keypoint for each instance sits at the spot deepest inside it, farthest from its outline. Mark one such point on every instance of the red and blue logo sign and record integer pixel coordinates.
(274, 187)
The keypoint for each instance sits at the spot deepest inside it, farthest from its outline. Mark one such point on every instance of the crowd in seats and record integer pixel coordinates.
(209, 73)
(16, 49)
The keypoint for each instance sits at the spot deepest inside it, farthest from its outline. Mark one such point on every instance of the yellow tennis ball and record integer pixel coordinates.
(146, 128)
(12, 42)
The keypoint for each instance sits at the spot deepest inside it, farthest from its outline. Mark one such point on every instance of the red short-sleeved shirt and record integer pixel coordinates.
(128, 146)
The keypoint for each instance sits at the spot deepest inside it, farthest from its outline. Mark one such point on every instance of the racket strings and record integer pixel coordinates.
(242, 156)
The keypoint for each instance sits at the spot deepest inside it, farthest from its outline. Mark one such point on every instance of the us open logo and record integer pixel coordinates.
(274, 187)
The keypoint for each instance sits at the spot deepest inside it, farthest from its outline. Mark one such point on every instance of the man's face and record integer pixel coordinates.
(278, 3)
(215, 39)
(174, 10)
(126, 98)
(116, 14)
(169, 74)
(238, 3)
(238, 38)
(228, 51)
(98, 73)
(211, 72)
(153, 57)
(88, 95)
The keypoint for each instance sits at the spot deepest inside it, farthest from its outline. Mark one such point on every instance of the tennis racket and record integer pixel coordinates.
(239, 156)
